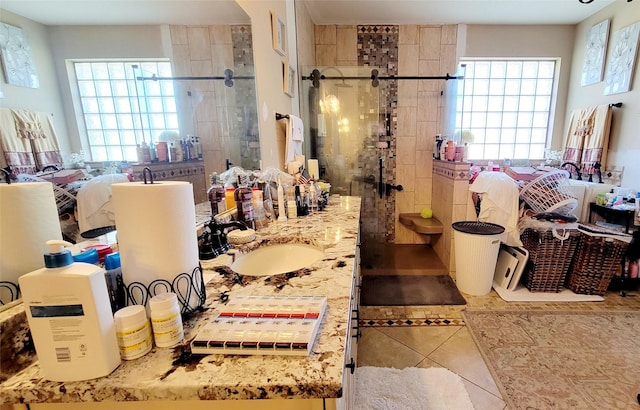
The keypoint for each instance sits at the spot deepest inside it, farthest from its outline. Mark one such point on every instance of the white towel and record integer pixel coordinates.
(499, 203)
(294, 138)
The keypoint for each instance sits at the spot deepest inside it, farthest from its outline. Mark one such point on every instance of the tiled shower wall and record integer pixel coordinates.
(415, 105)
(204, 106)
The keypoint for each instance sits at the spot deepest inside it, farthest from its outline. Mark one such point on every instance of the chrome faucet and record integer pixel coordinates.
(213, 240)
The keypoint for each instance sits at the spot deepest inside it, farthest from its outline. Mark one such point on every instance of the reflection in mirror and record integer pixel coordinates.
(216, 109)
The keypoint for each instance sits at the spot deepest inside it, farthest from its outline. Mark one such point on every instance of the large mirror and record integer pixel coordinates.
(210, 48)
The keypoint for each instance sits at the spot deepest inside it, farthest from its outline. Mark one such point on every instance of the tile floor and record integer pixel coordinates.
(435, 336)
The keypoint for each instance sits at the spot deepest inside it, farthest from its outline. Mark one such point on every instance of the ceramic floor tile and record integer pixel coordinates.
(460, 355)
(482, 399)
(377, 349)
(422, 339)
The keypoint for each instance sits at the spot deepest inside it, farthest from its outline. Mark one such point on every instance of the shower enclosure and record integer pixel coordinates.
(350, 128)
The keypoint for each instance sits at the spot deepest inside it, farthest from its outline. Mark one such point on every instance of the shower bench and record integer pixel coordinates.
(425, 226)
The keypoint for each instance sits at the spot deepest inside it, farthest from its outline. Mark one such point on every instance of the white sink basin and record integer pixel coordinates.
(275, 259)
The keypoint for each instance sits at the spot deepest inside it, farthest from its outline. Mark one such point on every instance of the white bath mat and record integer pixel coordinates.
(412, 388)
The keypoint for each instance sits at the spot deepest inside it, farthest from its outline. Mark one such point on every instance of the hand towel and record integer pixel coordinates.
(16, 151)
(46, 150)
(294, 138)
(587, 138)
(28, 124)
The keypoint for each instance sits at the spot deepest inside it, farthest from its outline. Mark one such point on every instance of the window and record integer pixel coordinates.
(504, 107)
(120, 112)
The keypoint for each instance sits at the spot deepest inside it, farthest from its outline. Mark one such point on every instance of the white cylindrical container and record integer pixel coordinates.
(133, 332)
(166, 320)
(476, 253)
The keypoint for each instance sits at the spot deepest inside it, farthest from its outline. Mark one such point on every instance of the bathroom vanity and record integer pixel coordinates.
(321, 380)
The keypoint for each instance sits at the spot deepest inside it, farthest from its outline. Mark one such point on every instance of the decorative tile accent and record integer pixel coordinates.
(378, 48)
(411, 322)
(452, 170)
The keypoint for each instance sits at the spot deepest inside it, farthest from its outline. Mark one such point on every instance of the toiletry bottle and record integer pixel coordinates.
(301, 206)
(216, 194)
(259, 215)
(282, 204)
(166, 321)
(70, 318)
(292, 206)
(115, 283)
(242, 197)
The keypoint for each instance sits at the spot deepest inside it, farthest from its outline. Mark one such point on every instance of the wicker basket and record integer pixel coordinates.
(597, 259)
(549, 258)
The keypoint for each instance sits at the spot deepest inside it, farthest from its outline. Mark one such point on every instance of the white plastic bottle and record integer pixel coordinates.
(166, 320)
(70, 318)
(133, 332)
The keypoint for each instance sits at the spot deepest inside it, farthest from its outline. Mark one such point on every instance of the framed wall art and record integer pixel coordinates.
(622, 58)
(288, 79)
(594, 52)
(278, 34)
(17, 60)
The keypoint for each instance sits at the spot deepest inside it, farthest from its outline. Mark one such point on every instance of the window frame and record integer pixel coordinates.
(461, 123)
(133, 124)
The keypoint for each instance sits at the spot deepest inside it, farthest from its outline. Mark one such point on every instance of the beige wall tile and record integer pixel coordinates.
(424, 164)
(406, 121)
(325, 54)
(346, 43)
(346, 63)
(448, 60)
(405, 176)
(430, 68)
(407, 94)
(449, 34)
(426, 134)
(408, 59)
(220, 34)
(404, 201)
(181, 60)
(405, 150)
(428, 102)
(325, 34)
(199, 46)
(422, 191)
(429, 43)
(223, 57)
(459, 213)
(178, 34)
(460, 193)
(408, 34)
(404, 235)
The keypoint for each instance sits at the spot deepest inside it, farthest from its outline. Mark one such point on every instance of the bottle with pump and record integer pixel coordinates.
(243, 198)
(216, 194)
(70, 317)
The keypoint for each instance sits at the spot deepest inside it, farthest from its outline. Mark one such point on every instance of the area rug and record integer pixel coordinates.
(409, 290)
(561, 359)
(522, 294)
(384, 388)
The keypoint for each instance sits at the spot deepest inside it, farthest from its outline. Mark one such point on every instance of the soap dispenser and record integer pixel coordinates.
(70, 318)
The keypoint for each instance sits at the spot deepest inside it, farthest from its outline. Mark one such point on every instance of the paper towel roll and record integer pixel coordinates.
(312, 166)
(156, 225)
(28, 219)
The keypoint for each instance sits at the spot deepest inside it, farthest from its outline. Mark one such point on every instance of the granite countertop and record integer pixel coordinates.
(175, 374)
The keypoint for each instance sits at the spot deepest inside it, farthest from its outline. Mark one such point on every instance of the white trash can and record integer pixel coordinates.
(476, 245)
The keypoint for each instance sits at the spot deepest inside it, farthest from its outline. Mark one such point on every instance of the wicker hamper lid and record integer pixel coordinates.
(478, 228)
